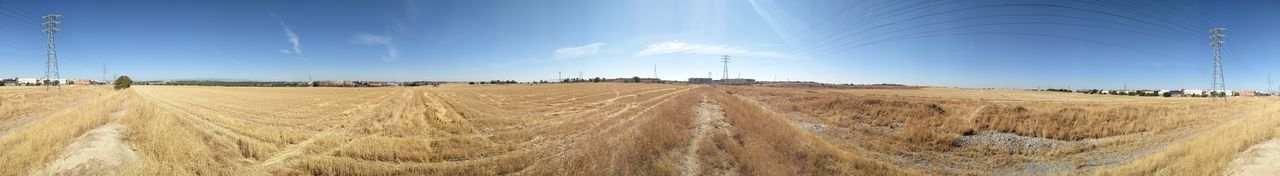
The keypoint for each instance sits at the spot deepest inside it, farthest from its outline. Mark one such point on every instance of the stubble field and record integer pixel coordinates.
(617, 129)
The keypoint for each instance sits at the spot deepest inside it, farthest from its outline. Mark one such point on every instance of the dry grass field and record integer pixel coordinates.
(617, 129)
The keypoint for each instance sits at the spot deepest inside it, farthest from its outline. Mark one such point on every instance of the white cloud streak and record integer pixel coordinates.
(392, 53)
(370, 39)
(291, 37)
(678, 47)
(577, 52)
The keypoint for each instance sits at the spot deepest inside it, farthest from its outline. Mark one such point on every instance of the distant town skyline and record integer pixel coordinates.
(995, 44)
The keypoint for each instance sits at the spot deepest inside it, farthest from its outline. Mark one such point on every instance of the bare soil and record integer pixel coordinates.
(1261, 159)
(99, 151)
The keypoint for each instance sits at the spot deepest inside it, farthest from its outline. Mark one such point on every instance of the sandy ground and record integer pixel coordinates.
(99, 151)
(710, 120)
(1261, 159)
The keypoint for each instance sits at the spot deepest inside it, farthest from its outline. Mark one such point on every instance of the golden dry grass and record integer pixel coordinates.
(27, 148)
(628, 129)
(919, 128)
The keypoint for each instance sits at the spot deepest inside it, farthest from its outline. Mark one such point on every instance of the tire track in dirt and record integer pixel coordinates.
(710, 121)
(975, 113)
(100, 151)
(1261, 159)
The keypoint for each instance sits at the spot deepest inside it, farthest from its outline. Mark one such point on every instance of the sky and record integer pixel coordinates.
(980, 44)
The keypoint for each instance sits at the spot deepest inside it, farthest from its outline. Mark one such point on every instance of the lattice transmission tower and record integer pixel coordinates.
(51, 61)
(725, 59)
(1219, 85)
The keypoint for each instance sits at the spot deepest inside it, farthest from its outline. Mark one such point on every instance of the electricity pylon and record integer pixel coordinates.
(51, 61)
(725, 59)
(1219, 84)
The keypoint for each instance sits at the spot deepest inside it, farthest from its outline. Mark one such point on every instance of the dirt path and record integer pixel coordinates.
(710, 121)
(975, 113)
(98, 152)
(1261, 159)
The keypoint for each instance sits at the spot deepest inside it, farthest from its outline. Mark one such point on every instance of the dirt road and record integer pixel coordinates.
(1261, 159)
(99, 151)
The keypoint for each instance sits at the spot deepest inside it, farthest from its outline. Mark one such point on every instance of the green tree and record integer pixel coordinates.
(635, 79)
(123, 82)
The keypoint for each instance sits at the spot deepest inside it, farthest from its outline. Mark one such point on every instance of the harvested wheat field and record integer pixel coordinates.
(618, 129)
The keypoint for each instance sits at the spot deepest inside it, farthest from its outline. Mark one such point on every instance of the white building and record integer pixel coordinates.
(1193, 92)
(29, 80)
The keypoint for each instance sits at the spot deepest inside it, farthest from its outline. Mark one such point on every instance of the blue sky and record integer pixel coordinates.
(1014, 44)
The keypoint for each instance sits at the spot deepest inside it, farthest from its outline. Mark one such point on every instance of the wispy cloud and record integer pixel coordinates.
(293, 38)
(392, 53)
(676, 46)
(290, 36)
(400, 28)
(577, 52)
(370, 39)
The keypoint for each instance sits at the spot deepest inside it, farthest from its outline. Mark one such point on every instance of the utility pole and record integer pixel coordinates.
(559, 76)
(1269, 83)
(655, 70)
(104, 72)
(51, 60)
(725, 59)
(1219, 84)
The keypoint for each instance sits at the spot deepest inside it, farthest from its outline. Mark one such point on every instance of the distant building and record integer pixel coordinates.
(650, 80)
(334, 83)
(1248, 93)
(29, 80)
(640, 80)
(722, 81)
(1194, 92)
(737, 81)
(81, 82)
(700, 80)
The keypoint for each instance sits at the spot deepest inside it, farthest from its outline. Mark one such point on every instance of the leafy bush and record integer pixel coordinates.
(123, 82)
